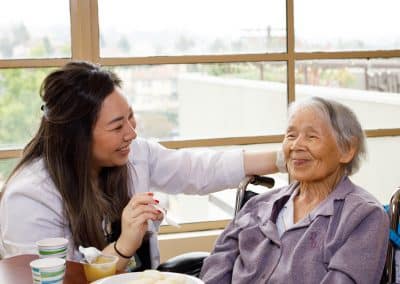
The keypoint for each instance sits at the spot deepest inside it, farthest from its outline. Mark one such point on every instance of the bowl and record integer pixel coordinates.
(103, 266)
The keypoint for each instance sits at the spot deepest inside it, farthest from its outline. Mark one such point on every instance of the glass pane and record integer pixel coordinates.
(379, 174)
(154, 27)
(207, 100)
(370, 87)
(346, 25)
(34, 29)
(215, 206)
(6, 166)
(19, 104)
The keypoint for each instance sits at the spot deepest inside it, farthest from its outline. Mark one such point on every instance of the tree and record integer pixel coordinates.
(184, 43)
(20, 34)
(6, 47)
(218, 45)
(17, 36)
(123, 44)
(48, 47)
(42, 49)
(19, 104)
(19, 109)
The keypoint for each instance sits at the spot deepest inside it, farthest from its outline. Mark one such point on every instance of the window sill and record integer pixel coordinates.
(195, 228)
(178, 243)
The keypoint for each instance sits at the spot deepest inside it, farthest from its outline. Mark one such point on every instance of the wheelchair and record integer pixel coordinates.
(191, 263)
(393, 210)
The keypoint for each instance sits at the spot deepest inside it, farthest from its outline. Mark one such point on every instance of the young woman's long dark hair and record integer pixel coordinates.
(73, 96)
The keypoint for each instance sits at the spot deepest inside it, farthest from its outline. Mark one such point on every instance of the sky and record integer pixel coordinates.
(210, 15)
(37, 13)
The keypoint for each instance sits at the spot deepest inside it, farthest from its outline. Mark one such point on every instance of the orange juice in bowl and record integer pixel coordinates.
(103, 266)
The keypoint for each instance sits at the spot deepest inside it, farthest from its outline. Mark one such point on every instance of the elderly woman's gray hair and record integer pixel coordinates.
(345, 126)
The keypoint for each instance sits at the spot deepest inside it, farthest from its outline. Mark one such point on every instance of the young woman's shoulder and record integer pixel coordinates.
(31, 180)
(31, 208)
(141, 148)
(146, 150)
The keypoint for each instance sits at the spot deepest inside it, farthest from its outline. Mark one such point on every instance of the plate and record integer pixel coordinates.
(124, 278)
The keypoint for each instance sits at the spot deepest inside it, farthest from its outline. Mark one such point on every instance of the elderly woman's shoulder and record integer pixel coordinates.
(360, 196)
(359, 204)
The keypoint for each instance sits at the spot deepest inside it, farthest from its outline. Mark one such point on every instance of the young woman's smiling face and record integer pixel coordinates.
(113, 132)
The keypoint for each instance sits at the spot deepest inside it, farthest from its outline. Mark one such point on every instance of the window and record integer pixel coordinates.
(185, 101)
(29, 31)
(342, 25)
(369, 87)
(157, 28)
(241, 62)
(19, 104)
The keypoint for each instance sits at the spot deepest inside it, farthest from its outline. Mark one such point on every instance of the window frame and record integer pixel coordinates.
(85, 46)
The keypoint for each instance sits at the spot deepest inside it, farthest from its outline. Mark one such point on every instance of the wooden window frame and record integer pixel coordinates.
(85, 46)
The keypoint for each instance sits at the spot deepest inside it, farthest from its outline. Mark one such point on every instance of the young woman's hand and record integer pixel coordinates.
(134, 221)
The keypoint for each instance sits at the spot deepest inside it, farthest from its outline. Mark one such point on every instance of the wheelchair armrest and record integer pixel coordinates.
(187, 263)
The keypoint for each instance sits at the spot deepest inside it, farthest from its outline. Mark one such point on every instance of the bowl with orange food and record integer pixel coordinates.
(102, 266)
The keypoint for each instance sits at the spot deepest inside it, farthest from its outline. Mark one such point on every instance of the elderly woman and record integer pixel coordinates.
(321, 228)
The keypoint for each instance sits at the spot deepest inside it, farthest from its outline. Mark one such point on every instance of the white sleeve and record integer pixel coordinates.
(28, 214)
(194, 171)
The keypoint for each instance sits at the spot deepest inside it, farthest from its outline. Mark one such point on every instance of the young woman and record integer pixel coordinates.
(86, 176)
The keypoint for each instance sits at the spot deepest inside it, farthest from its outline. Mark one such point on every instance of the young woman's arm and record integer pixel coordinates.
(204, 171)
(263, 162)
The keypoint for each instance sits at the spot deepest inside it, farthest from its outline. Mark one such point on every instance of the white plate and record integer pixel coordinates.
(126, 277)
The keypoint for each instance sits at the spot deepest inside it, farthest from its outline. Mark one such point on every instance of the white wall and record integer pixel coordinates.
(217, 107)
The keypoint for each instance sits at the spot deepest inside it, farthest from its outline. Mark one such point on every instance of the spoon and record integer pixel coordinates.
(90, 253)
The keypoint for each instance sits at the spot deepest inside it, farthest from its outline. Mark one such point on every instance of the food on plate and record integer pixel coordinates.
(156, 277)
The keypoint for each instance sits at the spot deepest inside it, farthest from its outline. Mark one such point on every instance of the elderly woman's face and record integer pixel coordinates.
(310, 147)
